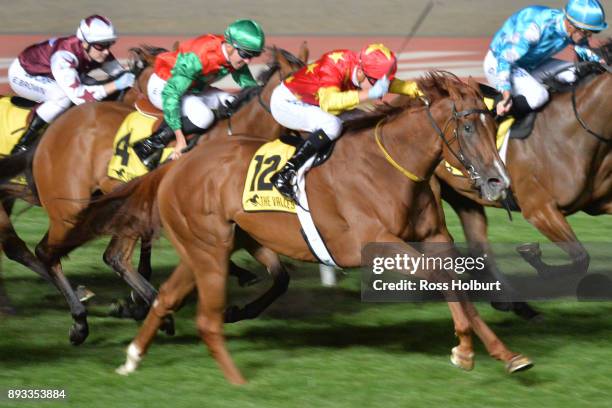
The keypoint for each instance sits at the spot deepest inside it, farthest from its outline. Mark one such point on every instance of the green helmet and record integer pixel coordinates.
(245, 35)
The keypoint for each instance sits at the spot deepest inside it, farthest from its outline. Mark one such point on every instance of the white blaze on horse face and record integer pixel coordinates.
(483, 119)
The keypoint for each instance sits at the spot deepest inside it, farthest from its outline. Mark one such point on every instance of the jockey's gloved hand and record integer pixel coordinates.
(380, 88)
(126, 80)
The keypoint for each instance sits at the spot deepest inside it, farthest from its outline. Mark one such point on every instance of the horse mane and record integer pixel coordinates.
(246, 94)
(605, 51)
(435, 85)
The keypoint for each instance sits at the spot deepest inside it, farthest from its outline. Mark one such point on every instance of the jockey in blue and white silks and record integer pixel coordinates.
(527, 41)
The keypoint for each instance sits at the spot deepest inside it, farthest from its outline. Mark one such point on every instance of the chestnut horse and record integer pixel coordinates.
(76, 150)
(563, 167)
(200, 205)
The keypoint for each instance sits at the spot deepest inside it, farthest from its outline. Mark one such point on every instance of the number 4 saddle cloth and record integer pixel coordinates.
(259, 194)
(125, 164)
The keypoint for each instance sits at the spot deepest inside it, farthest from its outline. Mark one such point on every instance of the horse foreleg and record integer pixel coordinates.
(171, 295)
(553, 224)
(474, 222)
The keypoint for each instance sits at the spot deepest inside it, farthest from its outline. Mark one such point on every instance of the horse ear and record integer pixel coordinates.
(175, 46)
(304, 52)
(473, 84)
(285, 66)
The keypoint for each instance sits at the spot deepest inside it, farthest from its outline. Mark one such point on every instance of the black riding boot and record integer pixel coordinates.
(150, 149)
(30, 135)
(285, 179)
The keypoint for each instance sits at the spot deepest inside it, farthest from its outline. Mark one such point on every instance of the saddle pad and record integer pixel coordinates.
(13, 122)
(503, 131)
(125, 165)
(259, 194)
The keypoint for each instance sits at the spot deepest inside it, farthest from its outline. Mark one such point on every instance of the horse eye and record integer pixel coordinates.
(468, 128)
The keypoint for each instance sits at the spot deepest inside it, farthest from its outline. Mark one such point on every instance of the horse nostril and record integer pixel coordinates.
(495, 183)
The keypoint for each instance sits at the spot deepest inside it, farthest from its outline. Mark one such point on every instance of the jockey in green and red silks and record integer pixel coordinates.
(192, 68)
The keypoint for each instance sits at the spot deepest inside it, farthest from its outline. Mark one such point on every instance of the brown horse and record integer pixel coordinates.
(563, 167)
(76, 149)
(12, 245)
(199, 212)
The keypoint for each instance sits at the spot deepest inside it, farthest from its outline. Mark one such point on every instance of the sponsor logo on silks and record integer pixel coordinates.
(259, 194)
(125, 165)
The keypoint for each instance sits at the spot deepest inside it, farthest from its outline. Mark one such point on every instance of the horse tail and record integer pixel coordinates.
(129, 211)
(15, 164)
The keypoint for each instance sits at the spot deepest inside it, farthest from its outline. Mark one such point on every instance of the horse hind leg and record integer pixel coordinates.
(171, 295)
(280, 284)
(553, 224)
(118, 256)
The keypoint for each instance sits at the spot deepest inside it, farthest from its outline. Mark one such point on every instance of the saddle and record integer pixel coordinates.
(144, 106)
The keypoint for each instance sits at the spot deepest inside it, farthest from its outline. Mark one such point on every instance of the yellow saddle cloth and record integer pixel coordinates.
(125, 165)
(503, 131)
(259, 194)
(13, 122)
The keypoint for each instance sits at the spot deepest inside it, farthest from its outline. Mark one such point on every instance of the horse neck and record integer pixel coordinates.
(254, 119)
(412, 142)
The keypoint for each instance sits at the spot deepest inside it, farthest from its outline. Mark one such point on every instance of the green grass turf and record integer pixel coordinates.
(316, 347)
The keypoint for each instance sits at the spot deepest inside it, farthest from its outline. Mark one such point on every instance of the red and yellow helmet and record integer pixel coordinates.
(377, 61)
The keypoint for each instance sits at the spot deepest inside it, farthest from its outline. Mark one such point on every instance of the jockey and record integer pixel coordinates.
(50, 72)
(526, 43)
(311, 99)
(193, 67)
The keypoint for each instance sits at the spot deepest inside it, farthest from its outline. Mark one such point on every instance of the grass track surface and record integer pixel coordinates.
(315, 347)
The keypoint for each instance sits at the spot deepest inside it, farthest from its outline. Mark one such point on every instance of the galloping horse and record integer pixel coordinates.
(563, 167)
(200, 204)
(13, 246)
(70, 164)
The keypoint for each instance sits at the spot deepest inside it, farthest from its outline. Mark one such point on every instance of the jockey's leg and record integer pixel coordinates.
(197, 118)
(291, 113)
(527, 93)
(38, 89)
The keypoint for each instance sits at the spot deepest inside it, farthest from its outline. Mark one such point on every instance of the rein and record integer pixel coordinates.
(582, 122)
(458, 155)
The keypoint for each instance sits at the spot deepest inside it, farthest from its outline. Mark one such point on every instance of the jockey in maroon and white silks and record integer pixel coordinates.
(50, 71)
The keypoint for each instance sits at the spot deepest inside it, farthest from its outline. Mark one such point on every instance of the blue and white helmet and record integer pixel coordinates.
(586, 14)
(96, 29)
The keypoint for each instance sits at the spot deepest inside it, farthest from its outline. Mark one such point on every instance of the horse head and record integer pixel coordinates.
(468, 131)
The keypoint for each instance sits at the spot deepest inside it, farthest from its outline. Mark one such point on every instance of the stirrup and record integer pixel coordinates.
(283, 182)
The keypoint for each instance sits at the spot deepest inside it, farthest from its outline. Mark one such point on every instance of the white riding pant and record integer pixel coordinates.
(527, 84)
(294, 114)
(198, 108)
(39, 88)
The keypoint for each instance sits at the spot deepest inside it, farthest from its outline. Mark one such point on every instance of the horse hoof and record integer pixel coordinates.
(232, 314)
(117, 309)
(78, 333)
(464, 361)
(529, 251)
(84, 294)
(123, 370)
(168, 325)
(518, 363)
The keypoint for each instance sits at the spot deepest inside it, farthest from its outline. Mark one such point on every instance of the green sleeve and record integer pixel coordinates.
(187, 69)
(243, 77)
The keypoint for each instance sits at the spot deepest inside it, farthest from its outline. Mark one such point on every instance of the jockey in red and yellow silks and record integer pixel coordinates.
(193, 67)
(311, 98)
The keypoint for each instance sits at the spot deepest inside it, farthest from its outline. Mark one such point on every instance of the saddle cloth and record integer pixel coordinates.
(13, 122)
(125, 165)
(260, 195)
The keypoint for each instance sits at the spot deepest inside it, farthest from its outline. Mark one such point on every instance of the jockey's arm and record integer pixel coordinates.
(333, 101)
(64, 69)
(243, 77)
(586, 54)
(186, 70)
(409, 88)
